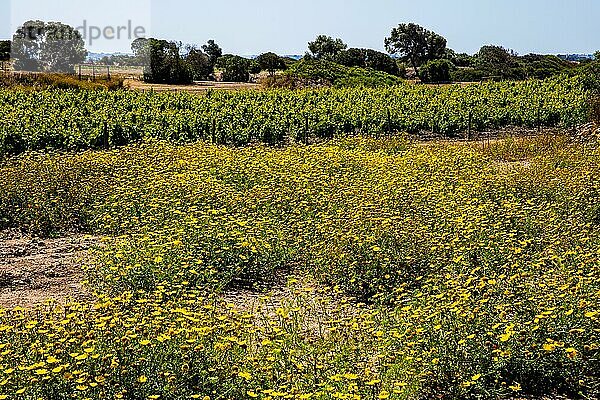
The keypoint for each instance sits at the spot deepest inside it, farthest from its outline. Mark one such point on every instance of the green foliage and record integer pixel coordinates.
(326, 48)
(415, 44)
(166, 63)
(47, 47)
(214, 52)
(498, 62)
(141, 51)
(74, 120)
(543, 66)
(328, 73)
(468, 75)
(461, 60)
(57, 81)
(199, 64)
(591, 77)
(5, 49)
(595, 109)
(367, 58)
(437, 71)
(234, 68)
(271, 62)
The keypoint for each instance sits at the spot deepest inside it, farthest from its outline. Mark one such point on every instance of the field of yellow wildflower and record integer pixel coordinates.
(446, 270)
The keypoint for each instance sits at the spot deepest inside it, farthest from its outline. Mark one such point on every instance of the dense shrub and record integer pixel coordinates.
(58, 81)
(367, 58)
(467, 75)
(327, 72)
(436, 71)
(234, 68)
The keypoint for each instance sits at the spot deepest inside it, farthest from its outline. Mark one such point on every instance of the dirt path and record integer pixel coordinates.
(33, 270)
(196, 87)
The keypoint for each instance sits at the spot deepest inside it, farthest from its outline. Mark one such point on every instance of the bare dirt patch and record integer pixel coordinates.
(196, 87)
(34, 270)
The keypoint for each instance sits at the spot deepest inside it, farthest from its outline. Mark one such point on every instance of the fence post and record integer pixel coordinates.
(389, 121)
(79, 71)
(108, 71)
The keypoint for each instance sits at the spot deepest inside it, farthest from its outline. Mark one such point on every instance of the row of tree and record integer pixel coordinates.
(171, 62)
(56, 47)
(427, 55)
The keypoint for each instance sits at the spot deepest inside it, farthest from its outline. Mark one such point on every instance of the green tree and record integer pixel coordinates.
(214, 52)
(5, 47)
(459, 59)
(271, 62)
(166, 64)
(48, 47)
(235, 68)
(352, 57)
(368, 58)
(141, 51)
(198, 63)
(597, 56)
(325, 47)
(415, 44)
(437, 71)
(498, 61)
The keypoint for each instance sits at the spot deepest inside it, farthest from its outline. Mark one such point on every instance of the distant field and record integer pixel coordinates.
(126, 71)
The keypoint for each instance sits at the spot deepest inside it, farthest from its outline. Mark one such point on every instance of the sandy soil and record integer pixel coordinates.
(33, 270)
(196, 87)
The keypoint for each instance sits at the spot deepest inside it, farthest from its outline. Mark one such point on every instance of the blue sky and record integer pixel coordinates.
(285, 26)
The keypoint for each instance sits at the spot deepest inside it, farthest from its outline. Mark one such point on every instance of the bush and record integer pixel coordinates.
(591, 77)
(467, 75)
(595, 110)
(58, 81)
(436, 71)
(327, 73)
(543, 66)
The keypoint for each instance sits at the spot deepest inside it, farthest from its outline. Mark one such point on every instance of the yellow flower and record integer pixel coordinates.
(142, 379)
(506, 337)
(549, 346)
(245, 375)
(516, 387)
